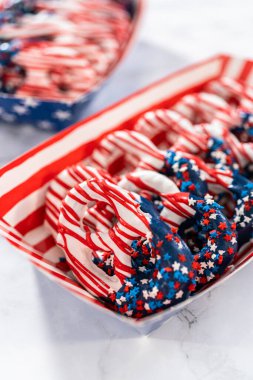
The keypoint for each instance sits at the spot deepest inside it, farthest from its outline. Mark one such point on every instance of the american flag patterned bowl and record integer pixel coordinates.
(56, 115)
(24, 182)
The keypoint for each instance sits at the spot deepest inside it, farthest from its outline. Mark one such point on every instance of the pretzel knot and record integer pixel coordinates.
(191, 172)
(234, 93)
(59, 188)
(152, 266)
(136, 226)
(240, 187)
(206, 107)
(216, 235)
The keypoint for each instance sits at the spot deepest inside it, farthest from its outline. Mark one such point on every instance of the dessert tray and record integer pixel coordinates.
(24, 182)
(54, 57)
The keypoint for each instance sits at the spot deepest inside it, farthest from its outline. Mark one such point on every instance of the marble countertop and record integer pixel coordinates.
(46, 333)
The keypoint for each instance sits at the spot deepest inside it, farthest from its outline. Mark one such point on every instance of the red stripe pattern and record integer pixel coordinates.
(60, 50)
(25, 199)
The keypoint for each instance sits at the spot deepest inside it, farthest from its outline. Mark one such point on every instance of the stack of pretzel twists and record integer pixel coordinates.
(160, 211)
(59, 49)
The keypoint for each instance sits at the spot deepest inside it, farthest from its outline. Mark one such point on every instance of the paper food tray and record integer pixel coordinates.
(57, 115)
(24, 182)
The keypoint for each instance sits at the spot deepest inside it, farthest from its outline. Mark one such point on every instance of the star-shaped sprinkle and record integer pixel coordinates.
(179, 294)
(192, 202)
(62, 115)
(20, 110)
(176, 265)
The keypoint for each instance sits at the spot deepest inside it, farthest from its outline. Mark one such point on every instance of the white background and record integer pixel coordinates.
(47, 334)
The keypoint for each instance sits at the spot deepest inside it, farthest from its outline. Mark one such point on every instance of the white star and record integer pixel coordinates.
(180, 245)
(145, 294)
(179, 294)
(209, 199)
(213, 247)
(210, 264)
(184, 270)
(241, 210)
(166, 302)
(201, 271)
(221, 252)
(213, 216)
(62, 115)
(20, 110)
(203, 264)
(233, 240)
(142, 269)
(129, 284)
(30, 102)
(175, 167)
(209, 278)
(247, 219)
(176, 265)
(44, 124)
(192, 202)
(146, 306)
(237, 219)
(154, 292)
(144, 281)
(122, 299)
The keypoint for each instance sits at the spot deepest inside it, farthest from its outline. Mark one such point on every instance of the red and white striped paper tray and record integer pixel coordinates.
(24, 182)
